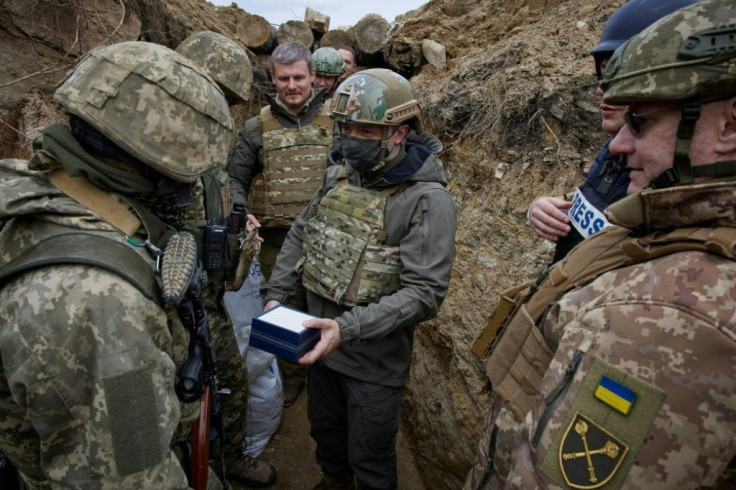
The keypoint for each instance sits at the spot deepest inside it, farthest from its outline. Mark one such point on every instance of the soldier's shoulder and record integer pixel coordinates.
(688, 283)
(250, 133)
(333, 173)
(64, 289)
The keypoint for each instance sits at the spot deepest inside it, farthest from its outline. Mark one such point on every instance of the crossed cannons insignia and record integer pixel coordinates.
(589, 455)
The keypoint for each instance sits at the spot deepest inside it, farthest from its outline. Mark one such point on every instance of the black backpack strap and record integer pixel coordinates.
(87, 249)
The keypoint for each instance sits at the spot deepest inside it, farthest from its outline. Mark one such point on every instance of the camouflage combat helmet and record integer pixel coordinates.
(328, 62)
(222, 59)
(628, 20)
(687, 57)
(153, 103)
(376, 96)
(677, 58)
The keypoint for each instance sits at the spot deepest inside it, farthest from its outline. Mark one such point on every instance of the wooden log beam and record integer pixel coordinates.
(257, 34)
(370, 35)
(296, 30)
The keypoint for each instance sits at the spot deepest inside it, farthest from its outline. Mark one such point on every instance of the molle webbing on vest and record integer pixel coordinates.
(344, 256)
(294, 161)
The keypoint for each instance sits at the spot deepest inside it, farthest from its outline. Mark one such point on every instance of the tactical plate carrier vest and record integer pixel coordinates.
(344, 256)
(294, 161)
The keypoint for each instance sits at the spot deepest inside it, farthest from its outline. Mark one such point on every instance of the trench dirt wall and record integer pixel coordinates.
(514, 108)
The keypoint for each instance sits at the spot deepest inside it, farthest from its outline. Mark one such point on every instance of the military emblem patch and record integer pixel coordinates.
(589, 455)
(613, 402)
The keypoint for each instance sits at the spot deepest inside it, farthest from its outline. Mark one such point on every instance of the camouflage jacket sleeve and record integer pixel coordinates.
(87, 382)
(652, 351)
(246, 160)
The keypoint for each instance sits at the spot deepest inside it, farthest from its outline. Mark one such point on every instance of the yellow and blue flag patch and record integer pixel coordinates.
(615, 395)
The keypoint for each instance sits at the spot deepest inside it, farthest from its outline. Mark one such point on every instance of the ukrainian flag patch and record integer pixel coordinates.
(615, 395)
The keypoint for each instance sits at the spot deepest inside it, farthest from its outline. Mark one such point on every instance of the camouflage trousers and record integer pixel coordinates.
(231, 373)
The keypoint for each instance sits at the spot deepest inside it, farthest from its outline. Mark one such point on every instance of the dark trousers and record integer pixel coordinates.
(354, 424)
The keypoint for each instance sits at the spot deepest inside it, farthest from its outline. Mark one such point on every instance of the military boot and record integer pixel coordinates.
(331, 483)
(249, 471)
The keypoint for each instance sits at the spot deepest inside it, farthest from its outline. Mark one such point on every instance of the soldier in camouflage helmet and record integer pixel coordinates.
(223, 60)
(228, 64)
(631, 379)
(374, 250)
(698, 81)
(328, 66)
(89, 354)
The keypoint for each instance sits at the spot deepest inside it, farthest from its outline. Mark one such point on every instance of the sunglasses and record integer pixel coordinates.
(636, 119)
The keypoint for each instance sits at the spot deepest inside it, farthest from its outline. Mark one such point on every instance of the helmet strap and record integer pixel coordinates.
(385, 135)
(717, 170)
(682, 171)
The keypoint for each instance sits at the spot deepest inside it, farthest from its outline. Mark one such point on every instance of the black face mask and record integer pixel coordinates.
(361, 154)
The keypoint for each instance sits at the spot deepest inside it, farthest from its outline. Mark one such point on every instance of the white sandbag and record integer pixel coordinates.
(265, 392)
(244, 304)
(265, 405)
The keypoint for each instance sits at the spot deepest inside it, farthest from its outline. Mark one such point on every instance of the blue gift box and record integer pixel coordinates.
(280, 332)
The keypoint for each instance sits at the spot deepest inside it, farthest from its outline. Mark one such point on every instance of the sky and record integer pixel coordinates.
(343, 13)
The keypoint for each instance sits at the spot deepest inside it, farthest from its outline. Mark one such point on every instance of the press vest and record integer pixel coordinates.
(294, 160)
(605, 184)
(344, 257)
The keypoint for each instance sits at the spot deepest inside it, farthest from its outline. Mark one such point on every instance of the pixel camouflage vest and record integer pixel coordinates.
(294, 161)
(344, 257)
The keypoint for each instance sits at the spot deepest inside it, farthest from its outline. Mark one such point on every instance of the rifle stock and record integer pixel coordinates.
(201, 444)
(183, 275)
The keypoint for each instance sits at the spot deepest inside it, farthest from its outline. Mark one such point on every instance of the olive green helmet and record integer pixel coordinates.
(222, 58)
(328, 62)
(686, 57)
(155, 104)
(377, 96)
(687, 53)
